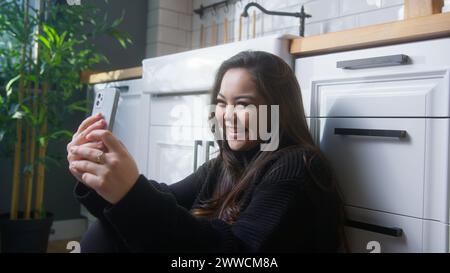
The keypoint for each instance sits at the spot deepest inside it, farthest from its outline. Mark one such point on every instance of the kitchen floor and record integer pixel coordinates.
(59, 246)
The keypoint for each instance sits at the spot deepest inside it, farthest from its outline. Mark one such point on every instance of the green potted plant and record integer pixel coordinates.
(48, 46)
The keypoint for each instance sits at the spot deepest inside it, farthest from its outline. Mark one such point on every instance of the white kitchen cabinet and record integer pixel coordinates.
(179, 135)
(382, 117)
(177, 151)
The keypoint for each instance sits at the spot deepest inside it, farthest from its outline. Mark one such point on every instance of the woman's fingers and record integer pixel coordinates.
(86, 166)
(80, 138)
(98, 145)
(91, 180)
(87, 153)
(95, 145)
(110, 141)
(87, 122)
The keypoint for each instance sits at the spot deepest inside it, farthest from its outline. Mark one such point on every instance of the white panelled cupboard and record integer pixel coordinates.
(382, 117)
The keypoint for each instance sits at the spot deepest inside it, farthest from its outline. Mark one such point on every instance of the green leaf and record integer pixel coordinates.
(2, 134)
(49, 31)
(61, 134)
(9, 85)
(44, 41)
(42, 141)
(18, 115)
(62, 38)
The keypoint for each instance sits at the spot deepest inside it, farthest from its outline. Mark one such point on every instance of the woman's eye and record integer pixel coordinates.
(242, 103)
(221, 104)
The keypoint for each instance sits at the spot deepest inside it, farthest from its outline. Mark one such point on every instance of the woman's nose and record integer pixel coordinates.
(230, 114)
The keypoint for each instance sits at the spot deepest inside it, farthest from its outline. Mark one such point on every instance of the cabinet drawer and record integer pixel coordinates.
(427, 60)
(379, 163)
(183, 110)
(422, 94)
(431, 53)
(373, 231)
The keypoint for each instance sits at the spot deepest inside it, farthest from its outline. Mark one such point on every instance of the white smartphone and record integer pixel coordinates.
(105, 102)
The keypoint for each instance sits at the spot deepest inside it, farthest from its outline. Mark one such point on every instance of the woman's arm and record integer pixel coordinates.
(149, 219)
(184, 192)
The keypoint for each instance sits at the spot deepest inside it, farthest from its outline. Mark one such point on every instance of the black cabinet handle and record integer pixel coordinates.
(370, 132)
(391, 60)
(196, 144)
(391, 231)
(123, 88)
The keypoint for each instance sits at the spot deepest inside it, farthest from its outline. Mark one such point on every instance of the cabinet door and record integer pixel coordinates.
(379, 163)
(419, 94)
(179, 110)
(175, 152)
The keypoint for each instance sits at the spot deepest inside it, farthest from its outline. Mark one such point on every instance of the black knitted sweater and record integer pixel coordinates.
(283, 210)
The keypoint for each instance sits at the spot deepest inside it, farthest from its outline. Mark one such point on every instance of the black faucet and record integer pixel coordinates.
(302, 15)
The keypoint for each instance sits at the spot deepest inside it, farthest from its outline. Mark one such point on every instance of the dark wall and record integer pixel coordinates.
(134, 23)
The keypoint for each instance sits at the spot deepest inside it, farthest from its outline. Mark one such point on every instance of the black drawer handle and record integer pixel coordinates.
(370, 132)
(123, 88)
(391, 60)
(390, 231)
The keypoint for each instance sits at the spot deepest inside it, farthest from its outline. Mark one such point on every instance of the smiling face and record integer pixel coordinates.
(236, 109)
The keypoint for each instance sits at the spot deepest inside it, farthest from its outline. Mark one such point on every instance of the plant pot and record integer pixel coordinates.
(24, 235)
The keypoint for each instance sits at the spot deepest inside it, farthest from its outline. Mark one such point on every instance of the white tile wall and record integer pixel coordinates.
(173, 27)
(169, 27)
(327, 16)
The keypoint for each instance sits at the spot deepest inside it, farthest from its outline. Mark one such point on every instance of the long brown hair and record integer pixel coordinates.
(276, 82)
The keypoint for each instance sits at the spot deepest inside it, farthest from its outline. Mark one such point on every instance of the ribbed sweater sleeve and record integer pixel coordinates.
(151, 220)
(183, 191)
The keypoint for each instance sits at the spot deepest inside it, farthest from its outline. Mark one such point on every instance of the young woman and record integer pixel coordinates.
(244, 200)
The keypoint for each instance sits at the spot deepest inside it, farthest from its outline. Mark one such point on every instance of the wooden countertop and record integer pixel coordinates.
(92, 77)
(413, 29)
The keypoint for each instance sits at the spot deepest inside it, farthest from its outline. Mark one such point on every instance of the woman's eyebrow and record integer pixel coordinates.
(244, 97)
(251, 97)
